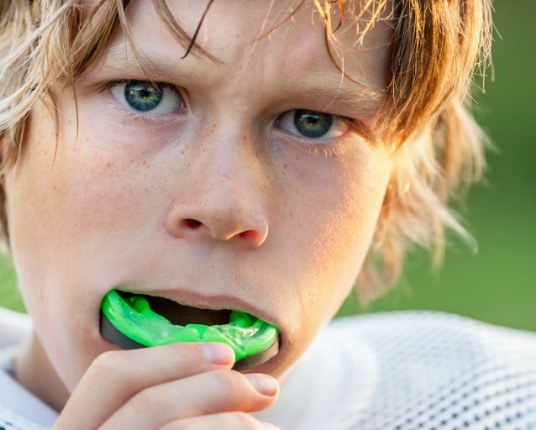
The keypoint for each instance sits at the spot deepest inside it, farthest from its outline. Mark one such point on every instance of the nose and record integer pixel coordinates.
(221, 198)
(221, 216)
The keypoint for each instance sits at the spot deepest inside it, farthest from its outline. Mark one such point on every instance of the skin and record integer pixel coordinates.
(218, 204)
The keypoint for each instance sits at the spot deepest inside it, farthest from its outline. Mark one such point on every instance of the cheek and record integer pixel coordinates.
(336, 224)
(71, 214)
(71, 211)
(75, 190)
(329, 237)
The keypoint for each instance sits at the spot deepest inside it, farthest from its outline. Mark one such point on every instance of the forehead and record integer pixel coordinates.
(283, 38)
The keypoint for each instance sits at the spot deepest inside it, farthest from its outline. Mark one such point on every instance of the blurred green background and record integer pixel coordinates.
(498, 283)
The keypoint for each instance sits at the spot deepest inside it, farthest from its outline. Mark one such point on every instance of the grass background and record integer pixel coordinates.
(498, 283)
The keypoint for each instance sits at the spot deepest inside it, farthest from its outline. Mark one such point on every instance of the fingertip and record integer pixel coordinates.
(264, 384)
(218, 353)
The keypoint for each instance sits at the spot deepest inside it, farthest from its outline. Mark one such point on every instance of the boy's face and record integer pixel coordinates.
(225, 193)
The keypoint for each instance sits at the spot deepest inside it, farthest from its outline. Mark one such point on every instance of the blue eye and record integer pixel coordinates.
(147, 98)
(143, 97)
(312, 125)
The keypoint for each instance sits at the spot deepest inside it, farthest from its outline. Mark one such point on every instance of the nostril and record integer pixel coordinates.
(248, 234)
(182, 227)
(192, 223)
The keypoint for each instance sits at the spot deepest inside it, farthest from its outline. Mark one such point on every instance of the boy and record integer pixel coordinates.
(223, 155)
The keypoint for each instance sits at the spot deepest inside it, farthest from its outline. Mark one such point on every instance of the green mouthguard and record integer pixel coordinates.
(133, 318)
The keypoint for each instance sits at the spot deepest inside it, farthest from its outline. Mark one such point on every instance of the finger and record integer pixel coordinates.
(227, 420)
(204, 394)
(116, 376)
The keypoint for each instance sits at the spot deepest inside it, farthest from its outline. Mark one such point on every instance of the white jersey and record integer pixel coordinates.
(389, 371)
(19, 409)
(410, 371)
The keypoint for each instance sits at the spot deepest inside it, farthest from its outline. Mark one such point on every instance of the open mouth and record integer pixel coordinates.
(178, 314)
(133, 321)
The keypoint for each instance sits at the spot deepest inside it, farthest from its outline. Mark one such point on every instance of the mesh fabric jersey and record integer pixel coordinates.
(411, 371)
(391, 371)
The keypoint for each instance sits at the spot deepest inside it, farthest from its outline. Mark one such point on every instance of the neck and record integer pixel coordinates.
(33, 370)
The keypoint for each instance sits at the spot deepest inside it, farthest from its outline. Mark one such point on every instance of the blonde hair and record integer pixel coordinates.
(424, 114)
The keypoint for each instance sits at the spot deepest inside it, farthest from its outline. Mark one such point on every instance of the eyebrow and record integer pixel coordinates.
(355, 98)
(338, 91)
(155, 66)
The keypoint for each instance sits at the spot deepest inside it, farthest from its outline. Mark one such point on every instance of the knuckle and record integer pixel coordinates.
(109, 363)
(105, 360)
(183, 352)
(147, 400)
(227, 381)
(236, 391)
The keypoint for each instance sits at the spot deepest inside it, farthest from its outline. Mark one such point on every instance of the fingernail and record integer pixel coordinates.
(264, 384)
(218, 353)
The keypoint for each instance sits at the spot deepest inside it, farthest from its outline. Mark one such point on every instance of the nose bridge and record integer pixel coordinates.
(231, 168)
(227, 199)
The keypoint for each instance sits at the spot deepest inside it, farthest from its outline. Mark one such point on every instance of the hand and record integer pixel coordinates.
(178, 386)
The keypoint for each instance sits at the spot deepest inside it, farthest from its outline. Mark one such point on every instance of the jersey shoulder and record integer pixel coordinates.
(437, 370)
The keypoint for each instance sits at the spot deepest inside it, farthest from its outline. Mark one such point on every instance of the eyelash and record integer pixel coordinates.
(149, 120)
(328, 148)
(323, 149)
(332, 148)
